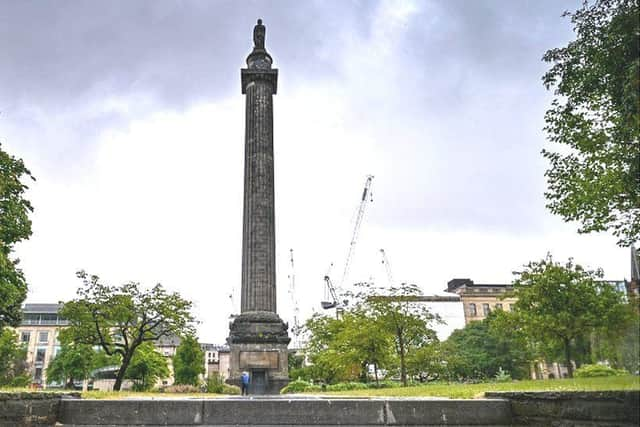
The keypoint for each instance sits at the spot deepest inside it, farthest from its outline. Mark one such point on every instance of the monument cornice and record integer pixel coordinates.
(249, 75)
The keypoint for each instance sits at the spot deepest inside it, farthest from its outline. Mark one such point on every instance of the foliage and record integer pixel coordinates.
(119, 319)
(483, 348)
(188, 362)
(590, 371)
(398, 314)
(147, 367)
(13, 366)
(179, 388)
(347, 386)
(75, 362)
(215, 384)
(595, 115)
(382, 330)
(560, 305)
(502, 376)
(300, 386)
(15, 226)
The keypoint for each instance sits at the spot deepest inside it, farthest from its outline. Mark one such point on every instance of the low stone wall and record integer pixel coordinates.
(31, 408)
(560, 409)
(286, 411)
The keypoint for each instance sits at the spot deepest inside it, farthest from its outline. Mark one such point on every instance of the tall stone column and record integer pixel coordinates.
(258, 337)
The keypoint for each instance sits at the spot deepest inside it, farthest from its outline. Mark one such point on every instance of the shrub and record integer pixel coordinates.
(215, 384)
(502, 376)
(347, 386)
(179, 388)
(299, 386)
(589, 371)
(230, 389)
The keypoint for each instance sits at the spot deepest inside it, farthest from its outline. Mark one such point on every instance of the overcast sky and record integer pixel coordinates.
(130, 116)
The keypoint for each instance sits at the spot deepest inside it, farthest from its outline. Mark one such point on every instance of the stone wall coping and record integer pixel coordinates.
(564, 395)
(38, 395)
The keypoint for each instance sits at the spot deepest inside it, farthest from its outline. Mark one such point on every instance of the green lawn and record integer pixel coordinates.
(470, 391)
(453, 390)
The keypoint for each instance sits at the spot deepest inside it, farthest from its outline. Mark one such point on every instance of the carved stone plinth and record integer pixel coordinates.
(258, 343)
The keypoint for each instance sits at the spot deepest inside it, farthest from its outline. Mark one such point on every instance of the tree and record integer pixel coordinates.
(121, 318)
(399, 314)
(327, 365)
(147, 367)
(13, 365)
(559, 305)
(595, 114)
(482, 348)
(188, 363)
(15, 226)
(362, 342)
(76, 362)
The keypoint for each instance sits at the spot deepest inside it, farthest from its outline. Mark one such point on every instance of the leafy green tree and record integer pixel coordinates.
(76, 362)
(482, 348)
(559, 305)
(399, 314)
(147, 367)
(121, 318)
(362, 342)
(326, 364)
(13, 365)
(595, 115)
(188, 363)
(15, 226)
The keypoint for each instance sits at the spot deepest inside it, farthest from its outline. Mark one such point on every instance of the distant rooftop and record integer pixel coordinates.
(41, 308)
(454, 284)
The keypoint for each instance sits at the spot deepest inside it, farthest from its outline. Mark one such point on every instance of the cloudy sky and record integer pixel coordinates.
(130, 116)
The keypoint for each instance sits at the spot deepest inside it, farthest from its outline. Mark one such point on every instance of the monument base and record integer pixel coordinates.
(258, 344)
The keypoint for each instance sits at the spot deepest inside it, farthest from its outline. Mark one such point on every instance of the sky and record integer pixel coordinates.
(131, 118)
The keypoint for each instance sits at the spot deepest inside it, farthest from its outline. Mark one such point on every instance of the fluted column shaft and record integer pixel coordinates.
(258, 243)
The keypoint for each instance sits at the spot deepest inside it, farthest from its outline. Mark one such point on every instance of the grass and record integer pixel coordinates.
(453, 390)
(95, 394)
(470, 391)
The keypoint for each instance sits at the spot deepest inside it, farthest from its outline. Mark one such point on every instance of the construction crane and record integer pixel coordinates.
(366, 197)
(387, 267)
(295, 329)
(332, 295)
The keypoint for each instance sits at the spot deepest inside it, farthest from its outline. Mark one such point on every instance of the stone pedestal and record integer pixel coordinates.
(258, 342)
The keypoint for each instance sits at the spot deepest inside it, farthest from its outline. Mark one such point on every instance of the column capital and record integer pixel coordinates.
(249, 75)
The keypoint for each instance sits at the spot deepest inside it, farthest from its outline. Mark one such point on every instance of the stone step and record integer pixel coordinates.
(264, 412)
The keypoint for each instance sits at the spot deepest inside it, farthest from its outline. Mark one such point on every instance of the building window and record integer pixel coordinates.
(40, 354)
(38, 375)
(25, 337)
(472, 310)
(43, 337)
(498, 306)
(511, 307)
(485, 309)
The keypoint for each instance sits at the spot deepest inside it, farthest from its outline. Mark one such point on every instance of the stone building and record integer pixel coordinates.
(39, 332)
(478, 300)
(217, 360)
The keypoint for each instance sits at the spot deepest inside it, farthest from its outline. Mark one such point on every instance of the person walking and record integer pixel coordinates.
(244, 379)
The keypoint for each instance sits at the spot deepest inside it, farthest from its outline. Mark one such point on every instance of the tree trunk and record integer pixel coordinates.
(375, 368)
(403, 368)
(123, 368)
(567, 357)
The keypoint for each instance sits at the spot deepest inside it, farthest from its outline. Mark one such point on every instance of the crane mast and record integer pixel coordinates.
(366, 194)
(387, 267)
(294, 302)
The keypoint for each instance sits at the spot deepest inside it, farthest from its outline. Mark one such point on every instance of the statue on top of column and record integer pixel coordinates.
(258, 35)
